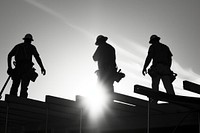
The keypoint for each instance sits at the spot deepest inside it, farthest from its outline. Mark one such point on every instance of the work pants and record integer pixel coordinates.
(166, 82)
(24, 81)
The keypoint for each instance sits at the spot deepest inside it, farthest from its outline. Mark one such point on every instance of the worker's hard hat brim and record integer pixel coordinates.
(101, 38)
(28, 39)
(154, 37)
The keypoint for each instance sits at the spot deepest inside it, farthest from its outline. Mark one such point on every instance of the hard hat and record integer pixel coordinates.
(101, 38)
(28, 37)
(154, 37)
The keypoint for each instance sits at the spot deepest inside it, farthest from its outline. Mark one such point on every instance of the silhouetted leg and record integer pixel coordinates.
(15, 85)
(24, 88)
(110, 87)
(155, 87)
(155, 83)
(106, 82)
(109, 90)
(168, 85)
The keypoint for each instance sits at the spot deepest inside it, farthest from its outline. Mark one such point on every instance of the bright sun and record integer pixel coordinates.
(95, 99)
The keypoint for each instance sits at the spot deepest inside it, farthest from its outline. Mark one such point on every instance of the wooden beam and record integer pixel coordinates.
(60, 101)
(190, 86)
(191, 102)
(25, 101)
(62, 106)
(129, 100)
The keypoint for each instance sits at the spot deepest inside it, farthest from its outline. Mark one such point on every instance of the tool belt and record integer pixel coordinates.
(115, 75)
(161, 70)
(23, 70)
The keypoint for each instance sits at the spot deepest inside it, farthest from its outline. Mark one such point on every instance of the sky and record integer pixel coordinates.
(65, 31)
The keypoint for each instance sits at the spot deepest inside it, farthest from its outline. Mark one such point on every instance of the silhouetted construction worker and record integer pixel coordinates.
(23, 72)
(161, 56)
(105, 57)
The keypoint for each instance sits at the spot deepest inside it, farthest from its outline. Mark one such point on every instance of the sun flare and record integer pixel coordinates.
(95, 98)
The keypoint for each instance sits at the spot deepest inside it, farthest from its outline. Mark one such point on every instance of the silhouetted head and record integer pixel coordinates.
(28, 37)
(154, 38)
(101, 39)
